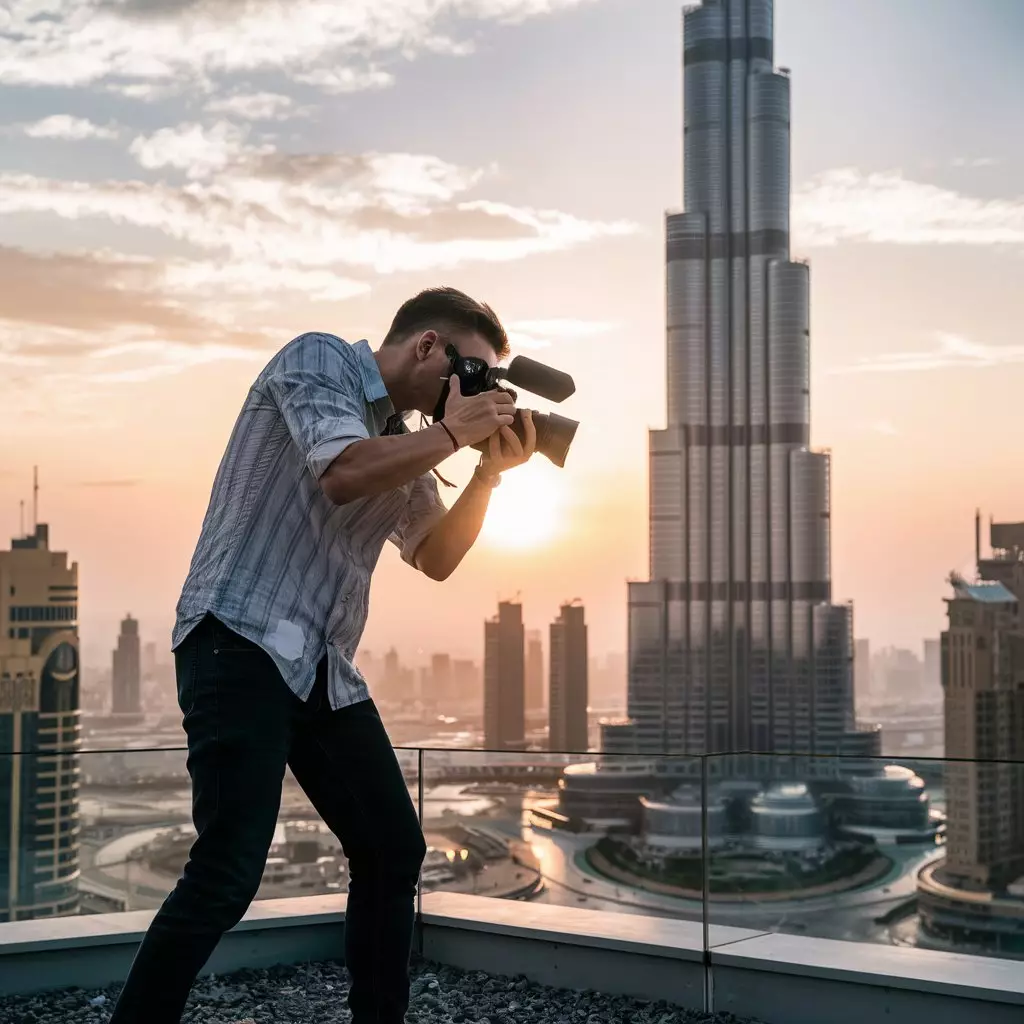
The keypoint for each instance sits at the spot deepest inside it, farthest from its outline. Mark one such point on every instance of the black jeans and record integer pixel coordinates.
(244, 726)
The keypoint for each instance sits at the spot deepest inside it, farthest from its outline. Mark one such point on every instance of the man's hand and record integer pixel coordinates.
(474, 418)
(506, 451)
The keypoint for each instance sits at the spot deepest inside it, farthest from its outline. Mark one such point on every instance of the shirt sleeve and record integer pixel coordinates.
(423, 511)
(319, 391)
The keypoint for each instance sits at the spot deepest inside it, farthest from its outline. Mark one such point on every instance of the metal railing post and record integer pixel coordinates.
(419, 886)
(705, 895)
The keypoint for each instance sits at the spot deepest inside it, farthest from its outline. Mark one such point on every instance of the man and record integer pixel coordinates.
(318, 473)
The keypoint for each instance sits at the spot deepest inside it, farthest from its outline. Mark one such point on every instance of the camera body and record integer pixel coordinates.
(554, 433)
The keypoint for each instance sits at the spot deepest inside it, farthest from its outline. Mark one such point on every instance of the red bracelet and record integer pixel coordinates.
(455, 444)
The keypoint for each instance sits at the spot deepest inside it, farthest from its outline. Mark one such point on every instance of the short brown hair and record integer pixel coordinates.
(448, 309)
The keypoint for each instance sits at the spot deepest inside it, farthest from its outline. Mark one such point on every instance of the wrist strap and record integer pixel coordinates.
(455, 444)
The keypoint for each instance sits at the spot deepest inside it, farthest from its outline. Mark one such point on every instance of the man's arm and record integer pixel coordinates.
(440, 553)
(378, 464)
(451, 537)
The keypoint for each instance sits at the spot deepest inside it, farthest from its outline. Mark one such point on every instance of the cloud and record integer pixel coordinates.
(199, 151)
(978, 161)
(257, 106)
(64, 126)
(340, 44)
(951, 352)
(534, 334)
(884, 207)
(305, 211)
(338, 81)
(884, 427)
(148, 92)
(164, 358)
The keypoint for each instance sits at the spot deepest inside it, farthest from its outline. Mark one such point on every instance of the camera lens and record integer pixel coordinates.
(554, 434)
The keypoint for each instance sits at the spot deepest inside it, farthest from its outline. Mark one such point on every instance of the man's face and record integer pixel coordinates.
(469, 346)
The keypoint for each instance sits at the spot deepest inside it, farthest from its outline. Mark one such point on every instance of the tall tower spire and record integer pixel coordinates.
(734, 642)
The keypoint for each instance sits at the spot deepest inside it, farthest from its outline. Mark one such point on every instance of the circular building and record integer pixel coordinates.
(676, 823)
(606, 794)
(785, 817)
(889, 805)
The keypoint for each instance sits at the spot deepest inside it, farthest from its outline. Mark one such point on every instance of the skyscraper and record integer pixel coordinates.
(126, 676)
(567, 700)
(39, 713)
(534, 672)
(734, 642)
(862, 671)
(983, 683)
(441, 680)
(504, 683)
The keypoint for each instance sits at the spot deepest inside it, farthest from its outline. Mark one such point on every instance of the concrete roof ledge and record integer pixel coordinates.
(595, 929)
(59, 933)
(920, 970)
(776, 978)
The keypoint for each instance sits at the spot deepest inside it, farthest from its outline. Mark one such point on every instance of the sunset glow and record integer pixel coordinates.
(527, 508)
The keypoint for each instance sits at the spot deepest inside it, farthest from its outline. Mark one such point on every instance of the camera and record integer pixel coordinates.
(554, 433)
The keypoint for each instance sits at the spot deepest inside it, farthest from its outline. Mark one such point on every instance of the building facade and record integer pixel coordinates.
(534, 672)
(126, 671)
(983, 683)
(40, 718)
(568, 675)
(734, 642)
(504, 679)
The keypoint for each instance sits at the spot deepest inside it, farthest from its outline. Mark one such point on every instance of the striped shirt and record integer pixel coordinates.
(277, 561)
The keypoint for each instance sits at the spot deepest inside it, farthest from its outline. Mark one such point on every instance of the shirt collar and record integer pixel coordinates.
(373, 383)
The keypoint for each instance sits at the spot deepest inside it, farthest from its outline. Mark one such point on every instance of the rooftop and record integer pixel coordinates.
(316, 992)
(495, 961)
(986, 592)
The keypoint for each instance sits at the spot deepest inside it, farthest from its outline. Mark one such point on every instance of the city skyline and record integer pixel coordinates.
(914, 231)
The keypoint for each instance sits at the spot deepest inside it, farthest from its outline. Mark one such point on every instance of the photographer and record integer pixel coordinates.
(319, 471)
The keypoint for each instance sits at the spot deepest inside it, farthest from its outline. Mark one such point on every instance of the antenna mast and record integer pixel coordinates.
(35, 498)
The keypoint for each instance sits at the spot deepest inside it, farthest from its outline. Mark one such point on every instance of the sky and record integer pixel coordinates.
(185, 185)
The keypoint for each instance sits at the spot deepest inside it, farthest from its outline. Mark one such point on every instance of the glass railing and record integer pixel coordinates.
(923, 853)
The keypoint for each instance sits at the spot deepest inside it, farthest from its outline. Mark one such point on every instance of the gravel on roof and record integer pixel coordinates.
(315, 994)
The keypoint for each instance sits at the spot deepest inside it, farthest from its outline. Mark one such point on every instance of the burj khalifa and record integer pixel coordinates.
(734, 642)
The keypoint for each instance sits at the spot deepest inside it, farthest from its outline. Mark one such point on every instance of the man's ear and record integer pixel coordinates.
(426, 343)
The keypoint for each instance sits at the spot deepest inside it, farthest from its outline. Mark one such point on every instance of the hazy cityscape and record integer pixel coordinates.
(743, 752)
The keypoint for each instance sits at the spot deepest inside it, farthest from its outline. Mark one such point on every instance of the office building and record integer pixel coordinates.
(862, 671)
(466, 681)
(534, 672)
(567, 699)
(932, 669)
(39, 712)
(734, 642)
(504, 679)
(441, 678)
(126, 674)
(983, 684)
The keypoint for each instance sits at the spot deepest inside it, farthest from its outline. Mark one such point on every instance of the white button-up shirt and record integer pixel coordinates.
(277, 561)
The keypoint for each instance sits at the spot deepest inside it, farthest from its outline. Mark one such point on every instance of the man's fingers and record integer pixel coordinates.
(511, 439)
(500, 397)
(455, 385)
(529, 432)
(506, 419)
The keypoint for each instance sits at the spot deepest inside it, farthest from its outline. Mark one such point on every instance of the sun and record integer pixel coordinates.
(526, 509)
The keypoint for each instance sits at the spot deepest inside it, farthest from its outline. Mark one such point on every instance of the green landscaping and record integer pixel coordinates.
(742, 872)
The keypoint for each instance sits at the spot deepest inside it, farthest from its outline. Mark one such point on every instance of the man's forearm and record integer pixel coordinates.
(446, 545)
(378, 464)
